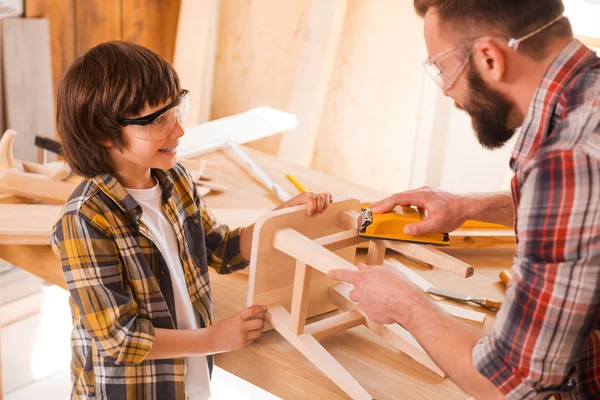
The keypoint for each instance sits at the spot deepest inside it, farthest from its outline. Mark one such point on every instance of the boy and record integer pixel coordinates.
(135, 238)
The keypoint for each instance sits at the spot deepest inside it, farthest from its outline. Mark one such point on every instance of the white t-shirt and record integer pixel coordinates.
(197, 379)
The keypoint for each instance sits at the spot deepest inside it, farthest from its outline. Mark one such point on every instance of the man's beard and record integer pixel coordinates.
(489, 110)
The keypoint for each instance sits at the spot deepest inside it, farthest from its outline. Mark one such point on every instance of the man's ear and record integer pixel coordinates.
(490, 60)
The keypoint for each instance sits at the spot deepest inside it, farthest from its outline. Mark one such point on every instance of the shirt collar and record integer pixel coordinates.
(569, 63)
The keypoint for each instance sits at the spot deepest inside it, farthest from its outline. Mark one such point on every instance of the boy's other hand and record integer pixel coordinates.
(317, 202)
(239, 330)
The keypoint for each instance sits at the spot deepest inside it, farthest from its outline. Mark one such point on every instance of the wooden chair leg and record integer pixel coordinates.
(300, 297)
(432, 256)
(376, 253)
(277, 316)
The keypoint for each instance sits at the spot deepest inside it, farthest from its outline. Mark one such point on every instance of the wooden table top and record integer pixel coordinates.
(271, 362)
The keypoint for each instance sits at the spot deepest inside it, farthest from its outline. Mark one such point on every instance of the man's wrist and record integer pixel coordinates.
(415, 306)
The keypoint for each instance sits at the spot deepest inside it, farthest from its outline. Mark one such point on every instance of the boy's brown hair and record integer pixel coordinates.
(111, 81)
(510, 18)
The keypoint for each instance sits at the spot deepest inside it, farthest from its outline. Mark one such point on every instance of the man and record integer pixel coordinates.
(511, 63)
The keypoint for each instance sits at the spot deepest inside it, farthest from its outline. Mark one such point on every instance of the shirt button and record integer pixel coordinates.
(162, 271)
(196, 221)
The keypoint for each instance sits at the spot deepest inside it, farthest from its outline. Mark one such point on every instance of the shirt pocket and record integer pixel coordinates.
(194, 240)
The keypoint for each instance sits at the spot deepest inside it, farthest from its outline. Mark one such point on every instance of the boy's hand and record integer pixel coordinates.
(317, 202)
(239, 330)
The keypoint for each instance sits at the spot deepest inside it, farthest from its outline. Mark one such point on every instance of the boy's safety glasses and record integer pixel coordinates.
(159, 125)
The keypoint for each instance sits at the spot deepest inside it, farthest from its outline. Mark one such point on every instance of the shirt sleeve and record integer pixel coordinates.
(93, 272)
(553, 302)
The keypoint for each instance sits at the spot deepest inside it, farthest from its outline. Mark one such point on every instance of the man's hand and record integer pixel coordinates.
(384, 293)
(239, 330)
(446, 212)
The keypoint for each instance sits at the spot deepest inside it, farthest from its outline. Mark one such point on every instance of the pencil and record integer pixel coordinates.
(296, 183)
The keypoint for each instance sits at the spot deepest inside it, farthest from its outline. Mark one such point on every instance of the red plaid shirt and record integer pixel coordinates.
(546, 340)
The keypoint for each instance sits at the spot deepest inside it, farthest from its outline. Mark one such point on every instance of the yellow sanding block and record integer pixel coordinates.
(390, 226)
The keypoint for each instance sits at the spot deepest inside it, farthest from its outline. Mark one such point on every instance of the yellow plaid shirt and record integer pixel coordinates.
(121, 288)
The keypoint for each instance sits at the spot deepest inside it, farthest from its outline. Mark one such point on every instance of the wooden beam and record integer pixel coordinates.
(325, 26)
(396, 335)
(337, 323)
(432, 256)
(195, 54)
(301, 248)
(99, 21)
(277, 316)
(152, 24)
(28, 82)
(35, 186)
(300, 297)
(376, 253)
(61, 16)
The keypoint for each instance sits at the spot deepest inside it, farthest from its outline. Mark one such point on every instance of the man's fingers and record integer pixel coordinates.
(344, 275)
(410, 198)
(422, 228)
(354, 296)
(253, 335)
(365, 267)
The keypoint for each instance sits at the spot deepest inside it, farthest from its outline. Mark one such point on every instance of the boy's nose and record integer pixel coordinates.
(177, 131)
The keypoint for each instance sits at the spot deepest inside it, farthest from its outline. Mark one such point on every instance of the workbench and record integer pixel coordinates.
(271, 362)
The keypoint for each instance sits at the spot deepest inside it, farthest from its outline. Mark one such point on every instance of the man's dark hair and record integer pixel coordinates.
(509, 18)
(111, 81)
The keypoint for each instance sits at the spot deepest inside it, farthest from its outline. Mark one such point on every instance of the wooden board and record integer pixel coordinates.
(152, 24)
(99, 21)
(271, 278)
(61, 17)
(240, 128)
(28, 82)
(369, 125)
(195, 54)
(35, 186)
(319, 52)
(27, 223)
(260, 44)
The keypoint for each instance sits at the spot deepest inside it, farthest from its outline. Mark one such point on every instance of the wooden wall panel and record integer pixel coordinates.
(61, 17)
(152, 23)
(97, 21)
(260, 43)
(367, 134)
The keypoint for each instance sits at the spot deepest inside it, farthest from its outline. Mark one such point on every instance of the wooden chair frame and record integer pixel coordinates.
(289, 247)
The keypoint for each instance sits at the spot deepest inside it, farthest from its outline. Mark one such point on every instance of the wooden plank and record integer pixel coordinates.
(260, 43)
(369, 123)
(195, 54)
(311, 349)
(432, 256)
(393, 333)
(38, 260)
(376, 253)
(27, 223)
(240, 128)
(337, 323)
(325, 24)
(152, 24)
(99, 21)
(271, 277)
(35, 187)
(28, 82)
(61, 16)
(299, 247)
(300, 297)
